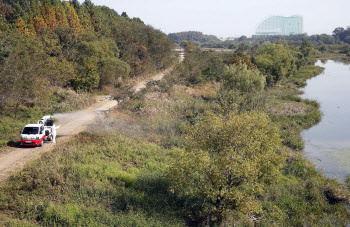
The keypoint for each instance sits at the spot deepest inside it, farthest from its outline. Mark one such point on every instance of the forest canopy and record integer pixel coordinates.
(66, 44)
(196, 37)
(89, 39)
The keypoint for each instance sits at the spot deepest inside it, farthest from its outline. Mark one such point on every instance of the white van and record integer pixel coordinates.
(33, 135)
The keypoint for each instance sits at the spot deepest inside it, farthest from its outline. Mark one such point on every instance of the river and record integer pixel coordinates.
(327, 144)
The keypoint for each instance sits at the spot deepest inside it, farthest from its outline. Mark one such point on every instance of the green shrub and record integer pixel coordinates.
(227, 161)
(242, 79)
(276, 61)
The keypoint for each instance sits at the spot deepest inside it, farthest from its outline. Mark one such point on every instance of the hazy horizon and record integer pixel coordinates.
(224, 18)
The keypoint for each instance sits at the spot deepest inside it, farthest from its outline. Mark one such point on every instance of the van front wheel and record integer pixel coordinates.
(42, 143)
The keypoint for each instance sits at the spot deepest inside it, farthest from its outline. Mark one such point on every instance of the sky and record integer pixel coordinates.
(232, 18)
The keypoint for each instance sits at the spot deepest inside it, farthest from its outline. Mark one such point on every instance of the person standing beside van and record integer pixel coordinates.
(54, 128)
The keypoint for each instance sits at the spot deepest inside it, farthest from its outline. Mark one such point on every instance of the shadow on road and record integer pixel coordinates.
(16, 144)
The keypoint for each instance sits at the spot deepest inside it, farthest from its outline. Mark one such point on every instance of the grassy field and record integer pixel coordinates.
(94, 180)
(114, 173)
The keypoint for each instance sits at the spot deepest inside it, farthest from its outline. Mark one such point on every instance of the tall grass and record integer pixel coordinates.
(94, 180)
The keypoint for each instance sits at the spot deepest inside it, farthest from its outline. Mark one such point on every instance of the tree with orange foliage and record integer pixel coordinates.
(245, 59)
(73, 19)
(49, 16)
(21, 26)
(61, 17)
(39, 23)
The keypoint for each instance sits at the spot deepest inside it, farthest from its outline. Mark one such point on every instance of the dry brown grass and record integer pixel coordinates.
(207, 91)
(288, 109)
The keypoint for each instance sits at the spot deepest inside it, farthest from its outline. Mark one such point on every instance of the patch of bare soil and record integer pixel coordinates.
(289, 109)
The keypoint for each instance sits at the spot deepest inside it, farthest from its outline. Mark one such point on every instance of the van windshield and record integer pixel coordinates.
(30, 130)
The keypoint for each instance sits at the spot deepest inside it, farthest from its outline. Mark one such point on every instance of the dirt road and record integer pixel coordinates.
(142, 84)
(71, 124)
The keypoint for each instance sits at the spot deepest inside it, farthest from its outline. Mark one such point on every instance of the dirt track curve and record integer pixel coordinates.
(71, 124)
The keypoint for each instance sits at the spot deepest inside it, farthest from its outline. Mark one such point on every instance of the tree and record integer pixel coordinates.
(189, 46)
(342, 34)
(39, 24)
(226, 163)
(242, 79)
(244, 59)
(72, 17)
(22, 70)
(75, 4)
(308, 52)
(62, 27)
(88, 78)
(338, 31)
(242, 38)
(276, 61)
(111, 69)
(323, 48)
(59, 71)
(21, 26)
(242, 47)
(213, 67)
(193, 36)
(49, 15)
(124, 15)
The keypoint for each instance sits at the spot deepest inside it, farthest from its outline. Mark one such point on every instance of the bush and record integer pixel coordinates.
(112, 69)
(242, 79)
(201, 66)
(276, 61)
(226, 163)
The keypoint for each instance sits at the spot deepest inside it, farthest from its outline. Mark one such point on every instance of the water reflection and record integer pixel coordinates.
(328, 143)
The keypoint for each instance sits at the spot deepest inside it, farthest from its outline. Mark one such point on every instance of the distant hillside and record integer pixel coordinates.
(196, 37)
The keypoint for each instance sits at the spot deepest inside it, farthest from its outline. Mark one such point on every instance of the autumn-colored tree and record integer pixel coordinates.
(244, 59)
(85, 19)
(62, 28)
(49, 15)
(39, 23)
(73, 19)
(21, 26)
(61, 17)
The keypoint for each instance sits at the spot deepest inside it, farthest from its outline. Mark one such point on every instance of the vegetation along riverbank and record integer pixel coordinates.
(217, 142)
